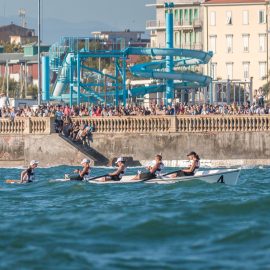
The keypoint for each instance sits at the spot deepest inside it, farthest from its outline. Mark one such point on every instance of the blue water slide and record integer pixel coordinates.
(63, 76)
(157, 69)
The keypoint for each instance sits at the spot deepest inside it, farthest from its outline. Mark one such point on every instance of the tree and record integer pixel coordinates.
(266, 88)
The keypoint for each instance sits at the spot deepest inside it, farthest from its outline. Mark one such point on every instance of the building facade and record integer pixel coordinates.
(16, 34)
(237, 33)
(188, 25)
(121, 39)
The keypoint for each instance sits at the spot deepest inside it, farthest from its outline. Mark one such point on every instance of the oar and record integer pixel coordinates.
(96, 177)
(169, 173)
(10, 181)
(161, 176)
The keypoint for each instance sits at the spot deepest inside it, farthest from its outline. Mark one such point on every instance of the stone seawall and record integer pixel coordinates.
(251, 147)
(50, 150)
(237, 139)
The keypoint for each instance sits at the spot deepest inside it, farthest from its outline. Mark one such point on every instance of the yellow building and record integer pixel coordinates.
(188, 22)
(237, 31)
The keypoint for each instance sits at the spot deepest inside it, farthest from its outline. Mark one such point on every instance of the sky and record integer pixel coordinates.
(67, 17)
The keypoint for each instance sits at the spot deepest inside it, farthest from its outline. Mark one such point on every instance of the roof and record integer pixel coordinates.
(234, 1)
(117, 32)
(35, 44)
(16, 57)
(15, 26)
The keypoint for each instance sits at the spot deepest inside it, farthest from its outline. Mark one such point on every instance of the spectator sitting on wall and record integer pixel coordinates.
(75, 130)
(4, 101)
(59, 120)
(260, 97)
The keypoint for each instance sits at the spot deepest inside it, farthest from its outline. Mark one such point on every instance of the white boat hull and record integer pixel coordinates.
(229, 177)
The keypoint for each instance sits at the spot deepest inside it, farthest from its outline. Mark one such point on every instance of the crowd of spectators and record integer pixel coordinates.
(60, 112)
(75, 131)
(80, 131)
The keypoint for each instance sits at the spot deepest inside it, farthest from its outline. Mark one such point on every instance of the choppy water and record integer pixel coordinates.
(191, 225)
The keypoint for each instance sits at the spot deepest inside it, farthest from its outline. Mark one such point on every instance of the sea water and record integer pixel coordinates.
(189, 225)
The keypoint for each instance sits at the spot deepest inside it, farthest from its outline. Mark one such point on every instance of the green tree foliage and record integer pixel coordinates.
(15, 89)
(266, 88)
(11, 47)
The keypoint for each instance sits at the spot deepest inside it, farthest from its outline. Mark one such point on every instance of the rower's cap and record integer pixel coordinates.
(191, 154)
(120, 159)
(85, 160)
(33, 162)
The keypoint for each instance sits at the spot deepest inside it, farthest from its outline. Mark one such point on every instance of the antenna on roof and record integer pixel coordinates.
(22, 15)
(4, 9)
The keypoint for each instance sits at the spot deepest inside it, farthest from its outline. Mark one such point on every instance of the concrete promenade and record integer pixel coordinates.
(241, 139)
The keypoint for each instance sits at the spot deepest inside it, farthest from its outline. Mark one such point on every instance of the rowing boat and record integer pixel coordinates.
(229, 177)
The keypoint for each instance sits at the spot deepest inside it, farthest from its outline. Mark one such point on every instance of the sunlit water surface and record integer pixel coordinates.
(189, 225)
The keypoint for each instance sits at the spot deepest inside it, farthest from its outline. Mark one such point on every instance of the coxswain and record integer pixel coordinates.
(28, 175)
(153, 170)
(118, 173)
(194, 165)
(80, 174)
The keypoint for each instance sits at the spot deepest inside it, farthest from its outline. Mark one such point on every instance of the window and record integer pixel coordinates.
(214, 71)
(186, 16)
(229, 42)
(181, 16)
(245, 17)
(176, 38)
(228, 17)
(246, 42)
(196, 13)
(262, 42)
(176, 14)
(213, 18)
(246, 70)
(213, 41)
(261, 16)
(229, 67)
(262, 67)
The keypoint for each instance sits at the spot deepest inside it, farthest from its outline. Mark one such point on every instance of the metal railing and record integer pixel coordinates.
(157, 24)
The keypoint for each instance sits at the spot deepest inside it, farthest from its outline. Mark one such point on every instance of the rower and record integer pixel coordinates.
(191, 169)
(80, 174)
(28, 175)
(153, 170)
(119, 173)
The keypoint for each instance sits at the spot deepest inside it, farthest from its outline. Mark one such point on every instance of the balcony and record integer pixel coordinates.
(192, 46)
(178, 24)
(154, 25)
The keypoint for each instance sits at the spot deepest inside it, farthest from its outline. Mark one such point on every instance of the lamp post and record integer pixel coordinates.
(105, 72)
(39, 80)
(128, 83)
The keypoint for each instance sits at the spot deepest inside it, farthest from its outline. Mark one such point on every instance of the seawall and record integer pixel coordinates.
(239, 148)
(50, 150)
(221, 148)
(222, 140)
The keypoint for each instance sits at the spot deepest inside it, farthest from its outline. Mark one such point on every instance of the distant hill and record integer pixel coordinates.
(53, 29)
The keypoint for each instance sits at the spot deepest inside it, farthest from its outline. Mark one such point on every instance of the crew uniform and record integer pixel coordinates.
(78, 177)
(117, 176)
(152, 175)
(30, 175)
(197, 166)
(81, 175)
